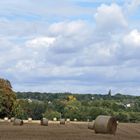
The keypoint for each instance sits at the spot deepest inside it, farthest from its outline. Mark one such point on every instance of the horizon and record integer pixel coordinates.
(73, 93)
(80, 46)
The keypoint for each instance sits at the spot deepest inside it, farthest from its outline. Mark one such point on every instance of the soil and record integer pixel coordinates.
(70, 131)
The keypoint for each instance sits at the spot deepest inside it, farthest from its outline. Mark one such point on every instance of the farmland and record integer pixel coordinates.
(79, 107)
(72, 131)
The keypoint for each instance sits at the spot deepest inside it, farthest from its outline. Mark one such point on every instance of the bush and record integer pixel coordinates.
(96, 111)
(134, 116)
(52, 114)
(122, 116)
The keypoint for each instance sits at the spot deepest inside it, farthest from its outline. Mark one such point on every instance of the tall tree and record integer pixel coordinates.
(7, 98)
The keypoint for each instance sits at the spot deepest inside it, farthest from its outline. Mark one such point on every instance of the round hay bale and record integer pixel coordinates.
(91, 125)
(6, 119)
(75, 120)
(105, 124)
(29, 119)
(68, 120)
(54, 119)
(18, 122)
(62, 121)
(12, 119)
(44, 121)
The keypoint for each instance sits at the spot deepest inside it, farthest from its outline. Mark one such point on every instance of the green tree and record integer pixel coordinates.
(36, 110)
(18, 111)
(106, 104)
(59, 105)
(72, 109)
(96, 111)
(122, 116)
(52, 114)
(134, 116)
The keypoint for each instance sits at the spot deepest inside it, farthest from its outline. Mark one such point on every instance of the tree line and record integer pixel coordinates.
(84, 107)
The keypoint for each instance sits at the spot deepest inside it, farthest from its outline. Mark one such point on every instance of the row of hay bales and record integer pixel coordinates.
(62, 121)
(67, 120)
(43, 121)
(20, 122)
(6, 119)
(102, 124)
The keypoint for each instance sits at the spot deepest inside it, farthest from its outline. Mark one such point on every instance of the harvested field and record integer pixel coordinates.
(72, 131)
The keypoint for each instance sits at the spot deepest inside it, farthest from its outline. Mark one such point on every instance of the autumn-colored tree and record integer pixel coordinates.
(71, 98)
(7, 98)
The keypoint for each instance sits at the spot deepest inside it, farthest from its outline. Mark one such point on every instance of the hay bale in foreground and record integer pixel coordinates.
(44, 122)
(62, 121)
(91, 125)
(18, 122)
(105, 124)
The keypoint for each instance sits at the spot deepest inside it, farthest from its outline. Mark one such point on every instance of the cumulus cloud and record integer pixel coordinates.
(72, 33)
(132, 39)
(110, 18)
(78, 54)
(130, 46)
(68, 27)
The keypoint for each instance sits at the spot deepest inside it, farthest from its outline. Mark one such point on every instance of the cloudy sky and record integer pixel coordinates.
(85, 46)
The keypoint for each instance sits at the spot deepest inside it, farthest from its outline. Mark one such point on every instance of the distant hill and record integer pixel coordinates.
(85, 97)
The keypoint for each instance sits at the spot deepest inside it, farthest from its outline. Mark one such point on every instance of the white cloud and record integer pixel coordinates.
(68, 28)
(70, 36)
(132, 38)
(110, 18)
(41, 42)
(68, 53)
(98, 54)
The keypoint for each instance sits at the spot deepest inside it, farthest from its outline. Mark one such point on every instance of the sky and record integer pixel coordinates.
(79, 46)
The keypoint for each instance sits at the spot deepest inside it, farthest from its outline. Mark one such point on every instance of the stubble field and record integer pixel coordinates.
(72, 131)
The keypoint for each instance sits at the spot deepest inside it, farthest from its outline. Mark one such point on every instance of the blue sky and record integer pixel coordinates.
(84, 46)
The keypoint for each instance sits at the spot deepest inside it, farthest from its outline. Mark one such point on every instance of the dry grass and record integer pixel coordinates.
(72, 131)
